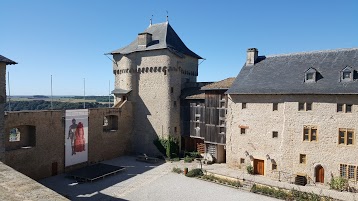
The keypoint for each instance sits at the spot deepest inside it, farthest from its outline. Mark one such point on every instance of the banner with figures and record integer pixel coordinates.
(76, 137)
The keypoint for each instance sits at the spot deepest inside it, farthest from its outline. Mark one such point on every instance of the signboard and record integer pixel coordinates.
(76, 137)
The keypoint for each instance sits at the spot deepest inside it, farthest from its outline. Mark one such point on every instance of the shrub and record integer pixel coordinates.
(168, 147)
(250, 169)
(177, 170)
(188, 159)
(175, 159)
(339, 183)
(195, 173)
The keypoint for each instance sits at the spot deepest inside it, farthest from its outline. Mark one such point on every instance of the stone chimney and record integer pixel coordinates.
(144, 39)
(252, 54)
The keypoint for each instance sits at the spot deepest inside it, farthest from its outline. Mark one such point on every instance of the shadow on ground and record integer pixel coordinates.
(74, 190)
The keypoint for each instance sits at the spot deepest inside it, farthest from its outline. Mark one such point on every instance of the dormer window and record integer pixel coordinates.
(310, 75)
(347, 74)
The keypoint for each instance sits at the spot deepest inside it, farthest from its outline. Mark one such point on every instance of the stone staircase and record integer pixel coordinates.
(247, 185)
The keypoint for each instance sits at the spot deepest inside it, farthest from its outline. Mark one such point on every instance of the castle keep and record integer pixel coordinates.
(151, 72)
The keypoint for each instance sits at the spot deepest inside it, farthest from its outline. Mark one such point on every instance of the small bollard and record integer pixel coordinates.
(185, 171)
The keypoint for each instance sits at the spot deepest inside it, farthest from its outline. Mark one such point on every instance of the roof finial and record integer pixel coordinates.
(150, 21)
(167, 16)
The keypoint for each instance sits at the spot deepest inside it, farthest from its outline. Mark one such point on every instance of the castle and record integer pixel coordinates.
(292, 114)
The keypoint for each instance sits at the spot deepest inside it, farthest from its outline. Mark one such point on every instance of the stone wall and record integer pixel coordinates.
(156, 79)
(37, 161)
(260, 121)
(2, 107)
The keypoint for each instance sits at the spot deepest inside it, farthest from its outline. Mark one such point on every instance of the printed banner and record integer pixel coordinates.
(76, 137)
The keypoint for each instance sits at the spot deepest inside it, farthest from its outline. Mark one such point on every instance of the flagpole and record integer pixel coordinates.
(109, 93)
(84, 93)
(51, 95)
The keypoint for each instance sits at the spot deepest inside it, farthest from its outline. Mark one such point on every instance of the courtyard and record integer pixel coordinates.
(144, 181)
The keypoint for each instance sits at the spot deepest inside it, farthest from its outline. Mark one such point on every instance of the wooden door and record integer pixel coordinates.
(259, 167)
(54, 168)
(320, 174)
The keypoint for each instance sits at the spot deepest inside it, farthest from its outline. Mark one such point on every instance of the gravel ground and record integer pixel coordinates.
(143, 181)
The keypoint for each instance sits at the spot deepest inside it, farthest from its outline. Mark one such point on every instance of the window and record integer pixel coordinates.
(303, 158)
(23, 136)
(347, 74)
(343, 170)
(175, 129)
(110, 123)
(274, 166)
(351, 171)
(310, 75)
(242, 160)
(274, 106)
(347, 108)
(171, 90)
(274, 134)
(175, 103)
(346, 136)
(243, 106)
(243, 130)
(309, 133)
(305, 106)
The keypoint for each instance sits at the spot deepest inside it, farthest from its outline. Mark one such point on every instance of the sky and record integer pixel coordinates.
(67, 39)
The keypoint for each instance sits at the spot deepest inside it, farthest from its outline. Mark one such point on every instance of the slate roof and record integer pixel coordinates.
(220, 85)
(284, 74)
(6, 60)
(163, 37)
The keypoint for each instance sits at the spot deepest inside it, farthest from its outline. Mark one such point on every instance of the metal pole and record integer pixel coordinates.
(84, 93)
(109, 93)
(8, 84)
(51, 95)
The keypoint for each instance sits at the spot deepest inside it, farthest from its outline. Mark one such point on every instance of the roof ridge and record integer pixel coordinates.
(312, 52)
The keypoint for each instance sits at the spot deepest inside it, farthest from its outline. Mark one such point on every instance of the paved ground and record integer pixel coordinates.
(143, 181)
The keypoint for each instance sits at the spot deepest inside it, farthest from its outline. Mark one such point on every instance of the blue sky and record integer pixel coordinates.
(67, 39)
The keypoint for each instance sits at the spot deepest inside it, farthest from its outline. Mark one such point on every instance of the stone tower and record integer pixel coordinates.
(150, 72)
(3, 62)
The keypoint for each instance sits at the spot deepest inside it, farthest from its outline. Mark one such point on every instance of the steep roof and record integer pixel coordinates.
(163, 37)
(220, 85)
(285, 74)
(6, 60)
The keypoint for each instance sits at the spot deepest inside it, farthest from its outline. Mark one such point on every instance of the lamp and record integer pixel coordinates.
(246, 153)
(267, 157)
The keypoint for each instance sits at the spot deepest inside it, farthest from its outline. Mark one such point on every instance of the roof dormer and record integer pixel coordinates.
(346, 75)
(311, 75)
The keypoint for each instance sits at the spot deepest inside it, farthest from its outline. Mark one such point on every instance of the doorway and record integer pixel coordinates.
(319, 174)
(54, 168)
(259, 167)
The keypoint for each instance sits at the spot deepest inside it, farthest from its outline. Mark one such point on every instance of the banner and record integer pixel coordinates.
(76, 137)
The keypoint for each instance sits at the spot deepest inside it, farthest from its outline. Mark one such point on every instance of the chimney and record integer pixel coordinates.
(252, 54)
(144, 39)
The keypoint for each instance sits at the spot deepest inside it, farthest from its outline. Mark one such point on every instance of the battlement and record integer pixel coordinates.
(163, 69)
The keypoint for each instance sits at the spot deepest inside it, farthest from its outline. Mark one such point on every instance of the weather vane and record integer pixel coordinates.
(167, 16)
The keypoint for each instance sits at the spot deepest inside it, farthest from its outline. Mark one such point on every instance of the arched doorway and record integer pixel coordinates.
(319, 174)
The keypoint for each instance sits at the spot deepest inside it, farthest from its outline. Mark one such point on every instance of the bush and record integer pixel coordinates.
(193, 154)
(339, 183)
(177, 170)
(211, 177)
(195, 173)
(168, 147)
(188, 159)
(250, 169)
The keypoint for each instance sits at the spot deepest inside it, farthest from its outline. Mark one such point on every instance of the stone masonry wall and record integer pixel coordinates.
(260, 121)
(151, 75)
(36, 162)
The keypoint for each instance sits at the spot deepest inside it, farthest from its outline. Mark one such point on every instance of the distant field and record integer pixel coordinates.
(75, 99)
